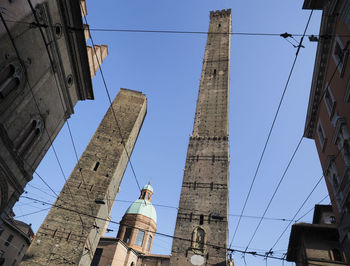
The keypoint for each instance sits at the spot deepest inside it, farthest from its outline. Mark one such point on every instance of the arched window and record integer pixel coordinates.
(10, 78)
(28, 136)
(198, 239)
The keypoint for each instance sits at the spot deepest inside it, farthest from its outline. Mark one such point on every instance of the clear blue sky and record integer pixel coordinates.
(167, 67)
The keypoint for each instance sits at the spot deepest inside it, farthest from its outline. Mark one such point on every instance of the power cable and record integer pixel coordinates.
(254, 253)
(34, 99)
(111, 107)
(301, 217)
(260, 34)
(306, 128)
(31, 213)
(58, 91)
(270, 131)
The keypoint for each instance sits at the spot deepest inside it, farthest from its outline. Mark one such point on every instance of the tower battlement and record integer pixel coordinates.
(220, 13)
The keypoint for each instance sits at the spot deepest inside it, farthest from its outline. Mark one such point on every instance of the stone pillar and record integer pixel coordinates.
(70, 233)
(203, 209)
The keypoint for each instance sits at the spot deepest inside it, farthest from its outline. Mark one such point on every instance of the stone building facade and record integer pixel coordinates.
(15, 238)
(328, 115)
(44, 72)
(316, 243)
(72, 229)
(201, 224)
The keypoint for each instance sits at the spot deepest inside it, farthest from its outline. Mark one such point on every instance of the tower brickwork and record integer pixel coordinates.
(70, 233)
(202, 216)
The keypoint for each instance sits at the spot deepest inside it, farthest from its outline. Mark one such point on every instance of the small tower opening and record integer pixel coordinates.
(96, 166)
(201, 219)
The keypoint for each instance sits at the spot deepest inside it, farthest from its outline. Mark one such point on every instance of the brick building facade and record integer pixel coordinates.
(316, 243)
(328, 115)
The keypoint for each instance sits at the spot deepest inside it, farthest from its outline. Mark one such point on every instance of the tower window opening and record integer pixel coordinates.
(201, 218)
(149, 243)
(214, 73)
(8, 241)
(127, 235)
(139, 238)
(219, 25)
(96, 166)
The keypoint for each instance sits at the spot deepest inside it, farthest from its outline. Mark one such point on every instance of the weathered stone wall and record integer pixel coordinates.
(44, 93)
(71, 237)
(204, 196)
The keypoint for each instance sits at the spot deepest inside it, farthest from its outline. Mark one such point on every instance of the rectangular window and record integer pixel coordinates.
(329, 100)
(8, 241)
(127, 235)
(321, 135)
(97, 257)
(139, 238)
(149, 243)
(340, 55)
(20, 251)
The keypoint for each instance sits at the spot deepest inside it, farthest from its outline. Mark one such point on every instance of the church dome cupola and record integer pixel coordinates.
(147, 192)
(139, 223)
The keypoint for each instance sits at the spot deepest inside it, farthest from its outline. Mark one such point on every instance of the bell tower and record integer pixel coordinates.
(201, 231)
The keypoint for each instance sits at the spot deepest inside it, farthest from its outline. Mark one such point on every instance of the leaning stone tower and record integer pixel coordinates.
(71, 231)
(201, 231)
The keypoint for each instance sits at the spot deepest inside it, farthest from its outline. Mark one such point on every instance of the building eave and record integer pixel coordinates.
(319, 74)
(300, 229)
(15, 228)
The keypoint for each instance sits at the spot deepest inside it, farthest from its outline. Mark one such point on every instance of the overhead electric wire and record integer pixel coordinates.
(31, 213)
(111, 106)
(187, 32)
(323, 175)
(270, 132)
(59, 93)
(254, 253)
(178, 208)
(301, 217)
(35, 103)
(60, 96)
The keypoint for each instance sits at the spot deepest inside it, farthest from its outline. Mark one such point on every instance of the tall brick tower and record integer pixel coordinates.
(70, 233)
(202, 216)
